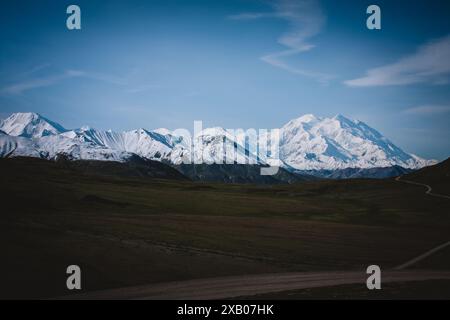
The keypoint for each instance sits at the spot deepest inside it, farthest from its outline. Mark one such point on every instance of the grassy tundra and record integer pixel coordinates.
(124, 229)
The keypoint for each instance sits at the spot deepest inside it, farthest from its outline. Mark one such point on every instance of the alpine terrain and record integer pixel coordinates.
(335, 147)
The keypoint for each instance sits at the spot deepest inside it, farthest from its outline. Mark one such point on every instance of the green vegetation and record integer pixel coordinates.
(437, 176)
(125, 230)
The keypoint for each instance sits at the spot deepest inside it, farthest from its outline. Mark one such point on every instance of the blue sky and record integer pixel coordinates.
(236, 64)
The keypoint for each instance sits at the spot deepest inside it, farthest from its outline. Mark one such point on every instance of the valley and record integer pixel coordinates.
(124, 229)
(241, 150)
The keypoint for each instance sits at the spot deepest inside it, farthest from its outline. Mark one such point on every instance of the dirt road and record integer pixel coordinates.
(233, 287)
(428, 191)
(249, 285)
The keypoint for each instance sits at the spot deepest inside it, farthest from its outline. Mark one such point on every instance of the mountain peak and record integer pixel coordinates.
(307, 118)
(343, 119)
(307, 143)
(311, 143)
(340, 117)
(29, 125)
(24, 116)
(85, 128)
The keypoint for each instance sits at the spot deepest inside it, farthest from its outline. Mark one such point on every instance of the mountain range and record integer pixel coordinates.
(312, 145)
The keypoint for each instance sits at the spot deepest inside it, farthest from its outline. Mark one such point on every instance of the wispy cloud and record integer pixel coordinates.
(427, 110)
(306, 20)
(104, 77)
(25, 85)
(430, 64)
(53, 79)
(35, 69)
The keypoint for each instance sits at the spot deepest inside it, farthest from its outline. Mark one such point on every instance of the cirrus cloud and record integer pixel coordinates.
(429, 64)
(305, 20)
(427, 110)
(32, 82)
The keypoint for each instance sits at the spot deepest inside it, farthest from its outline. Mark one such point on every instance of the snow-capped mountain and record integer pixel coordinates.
(307, 143)
(30, 134)
(17, 146)
(147, 144)
(216, 145)
(49, 147)
(30, 125)
(313, 143)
